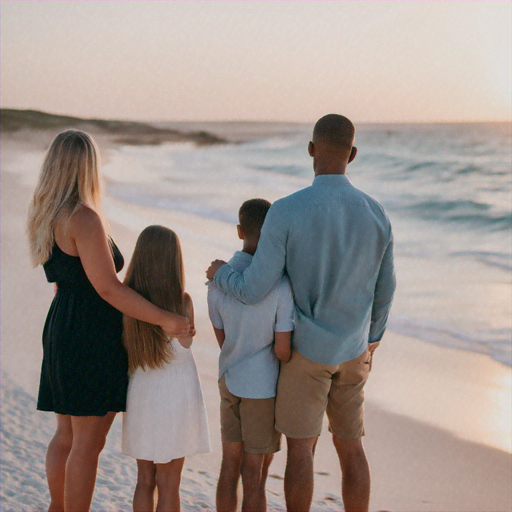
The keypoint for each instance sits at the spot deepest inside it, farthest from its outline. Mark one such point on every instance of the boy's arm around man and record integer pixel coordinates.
(285, 318)
(214, 313)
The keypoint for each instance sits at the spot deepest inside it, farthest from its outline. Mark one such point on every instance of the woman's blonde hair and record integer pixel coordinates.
(156, 273)
(69, 178)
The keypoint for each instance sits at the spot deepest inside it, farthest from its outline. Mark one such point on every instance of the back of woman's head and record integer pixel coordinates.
(156, 273)
(69, 178)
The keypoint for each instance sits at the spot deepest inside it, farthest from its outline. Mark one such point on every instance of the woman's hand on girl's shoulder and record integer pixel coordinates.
(87, 230)
(176, 326)
(189, 312)
(186, 340)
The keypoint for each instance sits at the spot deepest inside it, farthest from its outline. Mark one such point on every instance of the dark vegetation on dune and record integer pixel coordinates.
(123, 132)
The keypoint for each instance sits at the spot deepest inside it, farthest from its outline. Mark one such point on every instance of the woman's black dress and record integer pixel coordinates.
(85, 366)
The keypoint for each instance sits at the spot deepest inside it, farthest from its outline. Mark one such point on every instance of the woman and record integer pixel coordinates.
(84, 371)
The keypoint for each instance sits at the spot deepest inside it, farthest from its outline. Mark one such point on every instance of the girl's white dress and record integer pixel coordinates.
(165, 417)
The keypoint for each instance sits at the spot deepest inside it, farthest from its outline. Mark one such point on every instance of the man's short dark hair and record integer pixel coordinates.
(252, 215)
(335, 130)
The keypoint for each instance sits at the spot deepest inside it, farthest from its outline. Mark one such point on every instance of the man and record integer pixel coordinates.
(336, 244)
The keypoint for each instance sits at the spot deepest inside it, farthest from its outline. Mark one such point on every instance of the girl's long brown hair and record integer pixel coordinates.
(156, 272)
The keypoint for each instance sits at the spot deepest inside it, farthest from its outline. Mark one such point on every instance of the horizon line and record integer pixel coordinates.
(252, 121)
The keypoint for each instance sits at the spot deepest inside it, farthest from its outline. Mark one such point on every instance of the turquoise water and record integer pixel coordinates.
(447, 190)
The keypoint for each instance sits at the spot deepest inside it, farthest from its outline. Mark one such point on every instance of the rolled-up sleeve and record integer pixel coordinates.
(383, 296)
(213, 307)
(285, 313)
(267, 265)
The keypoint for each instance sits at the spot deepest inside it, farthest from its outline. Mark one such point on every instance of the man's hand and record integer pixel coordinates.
(373, 346)
(210, 273)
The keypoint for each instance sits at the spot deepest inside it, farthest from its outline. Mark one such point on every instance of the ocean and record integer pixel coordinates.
(446, 188)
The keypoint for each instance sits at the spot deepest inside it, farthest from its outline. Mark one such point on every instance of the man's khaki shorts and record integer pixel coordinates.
(306, 390)
(248, 420)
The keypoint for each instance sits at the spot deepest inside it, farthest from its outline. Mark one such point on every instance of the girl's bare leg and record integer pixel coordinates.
(168, 478)
(144, 496)
(56, 458)
(89, 435)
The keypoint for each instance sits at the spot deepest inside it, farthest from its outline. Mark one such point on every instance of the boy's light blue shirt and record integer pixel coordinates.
(247, 359)
(336, 245)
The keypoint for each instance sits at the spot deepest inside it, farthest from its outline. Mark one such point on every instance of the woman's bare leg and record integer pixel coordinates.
(168, 479)
(56, 458)
(144, 496)
(89, 435)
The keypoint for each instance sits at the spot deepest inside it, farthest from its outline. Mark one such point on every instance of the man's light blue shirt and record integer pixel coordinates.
(247, 358)
(336, 245)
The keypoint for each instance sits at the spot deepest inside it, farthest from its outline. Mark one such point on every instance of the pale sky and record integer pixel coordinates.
(387, 61)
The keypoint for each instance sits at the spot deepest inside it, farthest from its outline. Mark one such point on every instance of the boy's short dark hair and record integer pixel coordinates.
(252, 215)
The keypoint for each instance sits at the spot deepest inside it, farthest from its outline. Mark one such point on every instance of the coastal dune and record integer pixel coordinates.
(437, 419)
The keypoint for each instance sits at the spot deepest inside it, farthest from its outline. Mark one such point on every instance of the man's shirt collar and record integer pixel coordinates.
(332, 180)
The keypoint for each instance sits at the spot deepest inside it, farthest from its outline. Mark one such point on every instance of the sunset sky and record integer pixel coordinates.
(387, 61)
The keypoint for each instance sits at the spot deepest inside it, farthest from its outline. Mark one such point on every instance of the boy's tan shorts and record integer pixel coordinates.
(248, 420)
(307, 389)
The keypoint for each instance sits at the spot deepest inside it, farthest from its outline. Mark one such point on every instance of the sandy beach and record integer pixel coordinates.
(437, 419)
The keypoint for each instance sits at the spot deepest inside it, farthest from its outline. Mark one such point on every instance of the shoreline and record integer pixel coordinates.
(416, 465)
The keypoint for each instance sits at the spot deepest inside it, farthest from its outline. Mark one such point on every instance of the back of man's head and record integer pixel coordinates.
(252, 215)
(334, 131)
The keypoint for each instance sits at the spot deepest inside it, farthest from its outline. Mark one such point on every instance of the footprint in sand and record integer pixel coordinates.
(322, 473)
(277, 477)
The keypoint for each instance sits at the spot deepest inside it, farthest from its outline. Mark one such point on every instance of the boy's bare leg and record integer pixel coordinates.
(314, 447)
(269, 457)
(254, 493)
(144, 496)
(168, 479)
(298, 477)
(355, 482)
(56, 458)
(227, 487)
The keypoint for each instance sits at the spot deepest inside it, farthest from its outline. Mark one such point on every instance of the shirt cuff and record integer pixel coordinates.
(375, 339)
(217, 325)
(219, 275)
(284, 326)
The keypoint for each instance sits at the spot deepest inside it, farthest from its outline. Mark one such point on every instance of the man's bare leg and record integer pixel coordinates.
(227, 487)
(355, 480)
(298, 477)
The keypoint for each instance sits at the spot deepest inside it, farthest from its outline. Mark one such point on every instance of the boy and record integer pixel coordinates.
(252, 340)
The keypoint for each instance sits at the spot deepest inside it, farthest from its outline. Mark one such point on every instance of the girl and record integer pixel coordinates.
(165, 419)
(84, 375)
